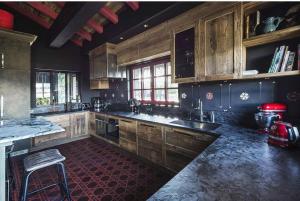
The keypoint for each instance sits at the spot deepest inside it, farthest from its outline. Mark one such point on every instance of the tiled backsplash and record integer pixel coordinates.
(233, 101)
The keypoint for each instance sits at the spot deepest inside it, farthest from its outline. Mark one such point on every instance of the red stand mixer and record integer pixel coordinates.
(283, 134)
(268, 114)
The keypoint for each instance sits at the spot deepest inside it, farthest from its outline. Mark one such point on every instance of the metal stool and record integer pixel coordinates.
(41, 160)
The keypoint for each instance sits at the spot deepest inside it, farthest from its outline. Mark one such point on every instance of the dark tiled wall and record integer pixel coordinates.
(234, 102)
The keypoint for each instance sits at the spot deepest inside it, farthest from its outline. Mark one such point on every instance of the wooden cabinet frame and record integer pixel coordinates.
(196, 52)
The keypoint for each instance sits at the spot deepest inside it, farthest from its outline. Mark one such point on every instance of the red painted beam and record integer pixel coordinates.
(109, 14)
(133, 5)
(44, 9)
(77, 42)
(84, 34)
(60, 4)
(29, 14)
(96, 26)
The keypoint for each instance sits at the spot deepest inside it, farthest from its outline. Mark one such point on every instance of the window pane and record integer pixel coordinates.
(137, 73)
(159, 69)
(137, 94)
(137, 84)
(73, 88)
(168, 68)
(171, 85)
(147, 95)
(172, 95)
(159, 95)
(159, 82)
(147, 83)
(59, 91)
(42, 88)
(146, 72)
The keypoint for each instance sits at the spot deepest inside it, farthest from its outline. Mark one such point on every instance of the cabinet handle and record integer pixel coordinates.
(2, 60)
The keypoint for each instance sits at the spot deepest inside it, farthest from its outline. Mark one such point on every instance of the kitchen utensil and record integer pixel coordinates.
(265, 119)
(271, 24)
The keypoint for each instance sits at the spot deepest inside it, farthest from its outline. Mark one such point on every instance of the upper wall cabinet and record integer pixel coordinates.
(103, 65)
(220, 53)
(183, 55)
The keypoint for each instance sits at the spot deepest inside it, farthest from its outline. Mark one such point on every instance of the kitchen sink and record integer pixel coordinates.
(205, 126)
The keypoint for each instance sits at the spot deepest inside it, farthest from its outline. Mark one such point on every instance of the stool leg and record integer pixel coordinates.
(24, 186)
(65, 182)
(60, 182)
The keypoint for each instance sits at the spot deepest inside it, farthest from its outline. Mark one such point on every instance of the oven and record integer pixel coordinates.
(107, 127)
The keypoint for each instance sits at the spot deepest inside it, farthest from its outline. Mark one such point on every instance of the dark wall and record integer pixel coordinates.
(69, 57)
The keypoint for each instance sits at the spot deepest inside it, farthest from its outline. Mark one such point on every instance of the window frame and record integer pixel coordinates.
(52, 86)
(151, 64)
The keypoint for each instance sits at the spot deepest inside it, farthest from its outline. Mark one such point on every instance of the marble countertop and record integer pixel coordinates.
(12, 130)
(238, 165)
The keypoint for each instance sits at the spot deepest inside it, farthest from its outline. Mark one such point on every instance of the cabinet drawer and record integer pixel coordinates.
(127, 144)
(150, 132)
(176, 158)
(150, 151)
(196, 142)
(127, 129)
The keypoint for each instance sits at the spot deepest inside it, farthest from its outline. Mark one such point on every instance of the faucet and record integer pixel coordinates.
(210, 116)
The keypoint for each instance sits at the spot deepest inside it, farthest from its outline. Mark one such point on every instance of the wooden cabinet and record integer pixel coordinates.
(183, 55)
(75, 125)
(221, 44)
(92, 124)
(182, 146)
(103, 65)
(127, 132)
(150, 142)
(79, 124)
(62, 120)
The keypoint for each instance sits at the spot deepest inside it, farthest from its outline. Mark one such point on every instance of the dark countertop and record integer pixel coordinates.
(238, 165)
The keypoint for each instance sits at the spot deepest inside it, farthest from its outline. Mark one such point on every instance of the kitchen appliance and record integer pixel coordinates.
(99, 104)
(283, 134)
(6, 19)
(107, 128)
(135, 105)
(268, 114)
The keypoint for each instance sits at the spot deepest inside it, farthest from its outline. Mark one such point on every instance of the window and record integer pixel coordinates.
(151, 83)
(56, 88)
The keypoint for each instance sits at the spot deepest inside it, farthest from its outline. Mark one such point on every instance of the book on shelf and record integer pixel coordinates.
(290, 62)
(283, 60)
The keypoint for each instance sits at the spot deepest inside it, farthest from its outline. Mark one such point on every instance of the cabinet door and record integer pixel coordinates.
(176, 158)
(92, 124)
(150, 132)
(127, 131)
(14, 54)
(183, 55)
(100, 66)
(150, 151)
(221, 37)
(193, 142)
(78, 124)
(112, 66)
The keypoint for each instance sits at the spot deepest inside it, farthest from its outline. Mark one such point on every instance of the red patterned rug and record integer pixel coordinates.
(96, 171)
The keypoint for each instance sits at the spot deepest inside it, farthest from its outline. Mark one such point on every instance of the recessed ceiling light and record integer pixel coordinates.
(146, 25)
(121, 38)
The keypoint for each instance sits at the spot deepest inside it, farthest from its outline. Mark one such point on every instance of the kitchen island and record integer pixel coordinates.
(13, 130)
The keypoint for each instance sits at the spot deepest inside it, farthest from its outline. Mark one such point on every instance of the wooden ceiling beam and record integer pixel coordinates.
(96, 26)
(28, 14)
(84, 34)
(60, 4)
(71, 19)
(77, 42)
(134, 5)
(43, 9)
(109, 14)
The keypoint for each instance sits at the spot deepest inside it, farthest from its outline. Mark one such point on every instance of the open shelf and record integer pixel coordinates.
(267, 75)
(275, 36)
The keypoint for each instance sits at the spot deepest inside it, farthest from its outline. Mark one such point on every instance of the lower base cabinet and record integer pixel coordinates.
(75, 125)
(127, 145)
(150, 151)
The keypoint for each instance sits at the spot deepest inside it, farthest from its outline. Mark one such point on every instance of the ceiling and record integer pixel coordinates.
(89, 24)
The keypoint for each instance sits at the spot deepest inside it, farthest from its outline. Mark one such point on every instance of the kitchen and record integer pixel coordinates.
(149, 100)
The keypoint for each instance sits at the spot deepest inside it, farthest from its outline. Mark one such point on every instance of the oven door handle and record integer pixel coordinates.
(102, 121)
